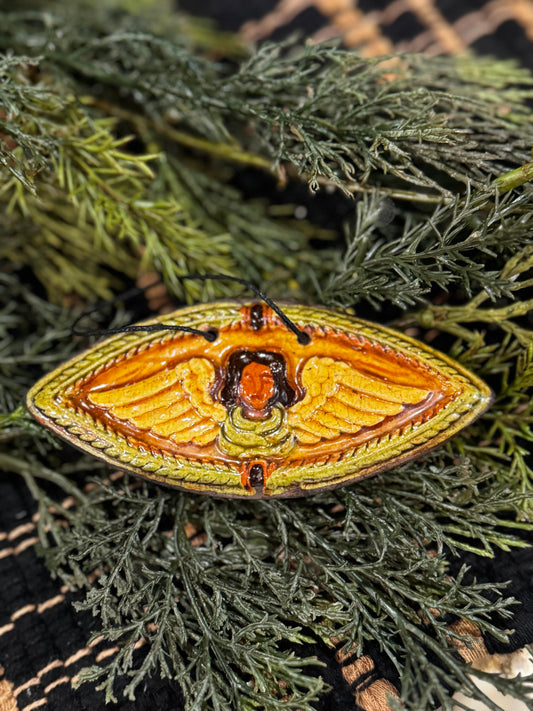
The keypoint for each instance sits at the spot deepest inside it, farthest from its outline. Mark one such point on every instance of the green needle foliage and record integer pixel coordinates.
(455, 246)
(122, 139)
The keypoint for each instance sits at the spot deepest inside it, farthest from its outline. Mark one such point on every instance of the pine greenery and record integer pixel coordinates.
(121, 138)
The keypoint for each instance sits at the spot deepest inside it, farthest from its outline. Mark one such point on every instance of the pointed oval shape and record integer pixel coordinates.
(255, 414)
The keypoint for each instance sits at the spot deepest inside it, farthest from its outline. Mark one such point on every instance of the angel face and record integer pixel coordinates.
(256, 386)
(256, 381)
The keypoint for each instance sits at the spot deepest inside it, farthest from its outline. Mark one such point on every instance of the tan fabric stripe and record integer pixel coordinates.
(283, 13)
(332, 7)
(50, 603)
(106, 653)
(485, 21)
(342, 11)
(363, 31)
(369, 694)
(329, 8)
(39, 608)
(22, 611)
(157, 294)
(56, 664)
(472, 647)
(34, 681)
(72, 659)
(67, 503)
(57, 682)
(16, 532)
(357, 29)
(77, 655)
(428, 14)
(49, 667)
(376, 697)
(34, 705)
(393, 11)
(454, 37)
(523, 12)
(8, 701)
(20, 548)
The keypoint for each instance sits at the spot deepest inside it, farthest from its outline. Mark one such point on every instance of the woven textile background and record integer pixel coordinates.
(42, 637)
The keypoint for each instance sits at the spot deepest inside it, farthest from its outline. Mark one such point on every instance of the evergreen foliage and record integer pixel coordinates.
(119, 148)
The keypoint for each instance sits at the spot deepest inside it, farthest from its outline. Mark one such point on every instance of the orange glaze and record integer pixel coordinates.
(256, 386)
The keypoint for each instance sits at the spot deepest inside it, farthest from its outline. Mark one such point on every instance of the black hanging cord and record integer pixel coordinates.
(210, 335)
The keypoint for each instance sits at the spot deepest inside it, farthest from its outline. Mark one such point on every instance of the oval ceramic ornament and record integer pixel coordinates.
(255, 413)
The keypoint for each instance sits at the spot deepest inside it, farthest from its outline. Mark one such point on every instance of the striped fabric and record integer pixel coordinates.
(375, 27)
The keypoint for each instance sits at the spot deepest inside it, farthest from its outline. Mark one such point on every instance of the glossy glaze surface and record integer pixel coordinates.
(255, 413)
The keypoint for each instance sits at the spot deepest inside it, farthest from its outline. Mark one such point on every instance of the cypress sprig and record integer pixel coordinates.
(515, 275)
(78, 205)
(212, 586)
(401, 258)
(352, 565)
(325, 111)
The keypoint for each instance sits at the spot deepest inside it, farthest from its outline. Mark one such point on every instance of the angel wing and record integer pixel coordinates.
(340, 399)
(175, 403)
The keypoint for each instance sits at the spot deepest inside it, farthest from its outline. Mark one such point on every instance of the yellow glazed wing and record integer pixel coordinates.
(340, 400)
(175, 403)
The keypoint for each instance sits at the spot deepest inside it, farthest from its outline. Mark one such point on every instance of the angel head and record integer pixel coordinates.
(256, 381)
